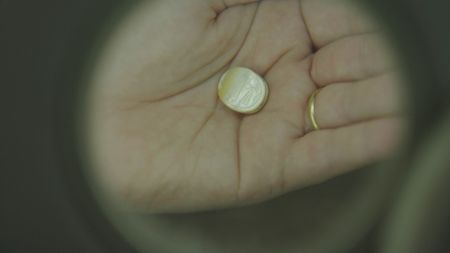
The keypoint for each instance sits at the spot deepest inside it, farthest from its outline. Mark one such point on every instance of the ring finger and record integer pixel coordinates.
(346, 103)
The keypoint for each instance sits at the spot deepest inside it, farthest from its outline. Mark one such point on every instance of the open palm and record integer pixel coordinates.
(162, 140)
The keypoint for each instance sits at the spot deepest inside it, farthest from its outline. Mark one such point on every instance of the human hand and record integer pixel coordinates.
(163, 142)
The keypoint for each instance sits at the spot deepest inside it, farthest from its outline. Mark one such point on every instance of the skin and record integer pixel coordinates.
(161, 140)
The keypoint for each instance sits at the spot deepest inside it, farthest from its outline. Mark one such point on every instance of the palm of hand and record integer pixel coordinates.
(171, 145)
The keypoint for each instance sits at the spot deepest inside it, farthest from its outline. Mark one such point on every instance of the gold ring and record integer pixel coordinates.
(311, 109)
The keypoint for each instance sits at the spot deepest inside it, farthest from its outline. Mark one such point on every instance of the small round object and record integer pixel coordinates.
(242, 90)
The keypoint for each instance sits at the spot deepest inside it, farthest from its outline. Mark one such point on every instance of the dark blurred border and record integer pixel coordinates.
(45, 204)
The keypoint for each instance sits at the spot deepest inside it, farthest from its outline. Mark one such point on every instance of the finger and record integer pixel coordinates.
(263, 47)
(350, 59)
(323, 154)
(219, 6)
(346, 103)
(330, 20)
(230, 3)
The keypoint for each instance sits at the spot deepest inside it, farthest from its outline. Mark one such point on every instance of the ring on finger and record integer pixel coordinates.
(311, 109)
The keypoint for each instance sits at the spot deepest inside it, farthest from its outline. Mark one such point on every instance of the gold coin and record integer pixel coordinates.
(242, 90)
